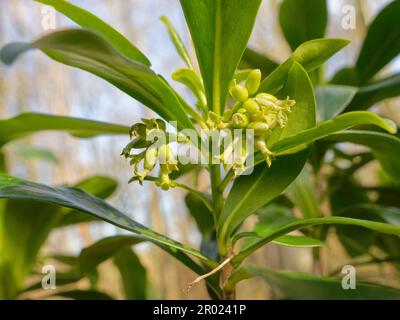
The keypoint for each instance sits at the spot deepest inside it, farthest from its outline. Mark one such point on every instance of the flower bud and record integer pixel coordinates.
(150, 158)
(239, 93)
(253, 81)
(165, 155)
(251, 106)
(239, 120)
(260, 128)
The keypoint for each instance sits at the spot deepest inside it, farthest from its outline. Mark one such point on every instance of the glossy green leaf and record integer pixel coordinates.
(27, 123)
(283, 228)
(90, 257)
(133, 274)
(200, 213)
(381, 44)
(29, 224)
(359, 243)
(14, 188)
(375, 92)
(332, 100)
(190, 79)
(89, 21)
(302, 193)
(304, 286)
(385, 147)
(303, 20)
(310, 55)
(298, 241)
(303, 116)
(253, 191)
(254, 60)
(87, 50)
(176, 39)
(220, 31)
(329, 127)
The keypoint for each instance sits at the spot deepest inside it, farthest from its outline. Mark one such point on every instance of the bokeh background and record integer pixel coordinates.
(38, 84)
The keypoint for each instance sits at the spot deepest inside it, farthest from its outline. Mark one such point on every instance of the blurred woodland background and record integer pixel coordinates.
(49, 87)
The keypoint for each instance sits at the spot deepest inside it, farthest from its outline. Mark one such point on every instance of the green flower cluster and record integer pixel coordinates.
(147, 136)
(261, 112)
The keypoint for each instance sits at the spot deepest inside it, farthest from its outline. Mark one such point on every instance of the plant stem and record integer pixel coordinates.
(215, 176)
(226, 272)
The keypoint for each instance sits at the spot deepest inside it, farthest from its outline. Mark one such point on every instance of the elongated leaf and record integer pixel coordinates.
(303, 116)
(329, 127)
(254, 60)
(86, 50)
(84, 295)
(133, 274)
(303, 286)
(310, 55)
(251, 192)
(303, 20)
(191, 80)
(382, 43)
(298, 241)
(359, 243)
(375, 92)
(88, 20)
(176, 39)
(386, 148)
(332, 100)
(29, 224)
(285, 227)
(220, 31)
(27, 123)
(14, 188)
(104, 249)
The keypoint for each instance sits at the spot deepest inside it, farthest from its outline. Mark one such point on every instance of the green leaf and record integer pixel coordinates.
(27, 123)
(303, 116)
(220, 30)
(176, 39)
(359, 243)
(133, 274)
(89, 21)
(298, 241)
(104, 249)
(29, 224)
(303, 20)
(385, 147)
(83, 295)
(87, 50)
(254, 60)
(200, 213)
(14, 188)
(329, 127)
(36, 153)
(253, 191)
(303, 194)
(310, 55)
(280, 229)
(303, 286)
(381, 44)
(190, 79)
(375, 92)
(99, 186)
(332, 100)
